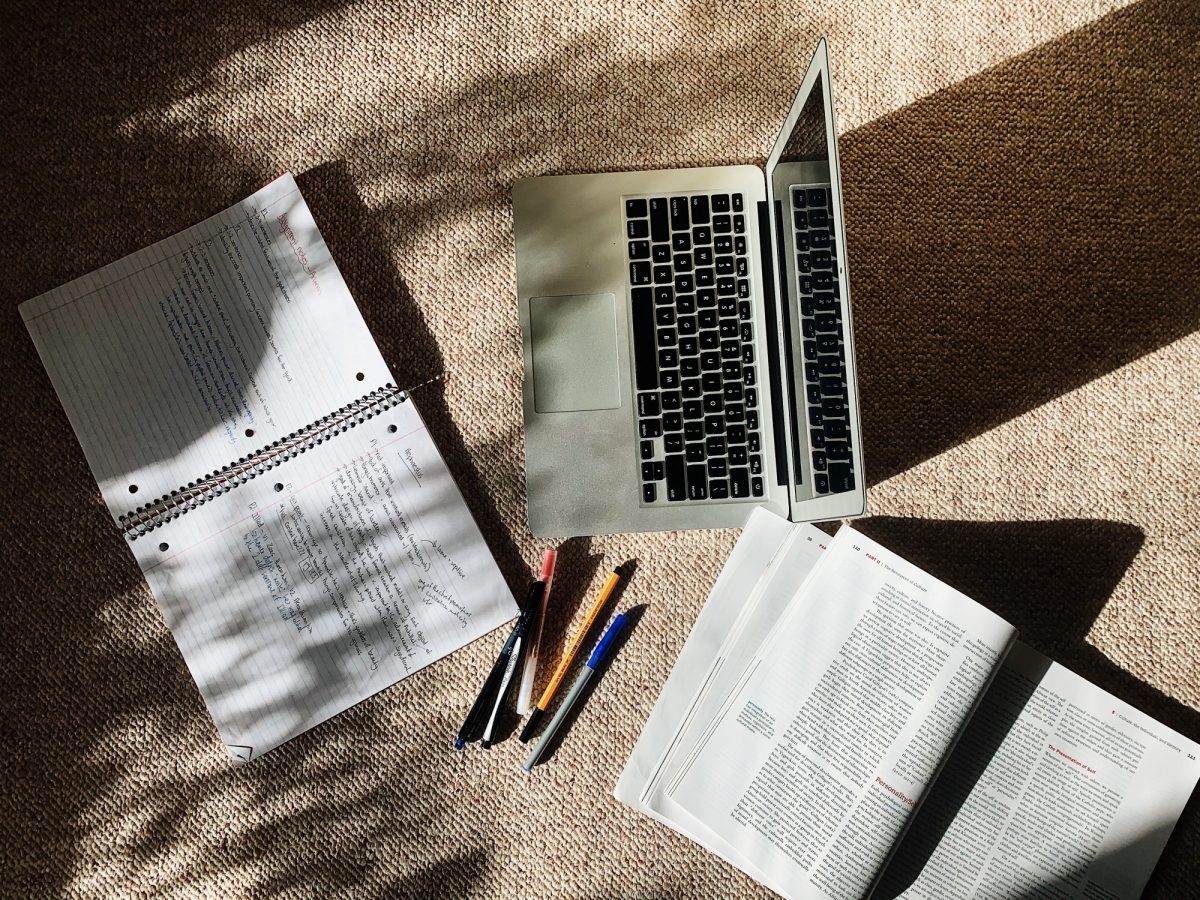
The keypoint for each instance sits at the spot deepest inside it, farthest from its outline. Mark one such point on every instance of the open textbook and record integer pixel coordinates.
(302, 535)
(842, 725)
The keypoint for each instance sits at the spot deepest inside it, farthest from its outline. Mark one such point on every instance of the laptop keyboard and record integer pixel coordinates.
(824, 351)
(697, 382)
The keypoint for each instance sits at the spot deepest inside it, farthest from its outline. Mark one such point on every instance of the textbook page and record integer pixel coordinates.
(812, 767)
(205, 347)
(323, 580)
(769, 562)
(1056, 790)
(735, 590)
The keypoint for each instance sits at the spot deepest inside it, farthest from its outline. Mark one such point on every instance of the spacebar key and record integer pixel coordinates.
(645, 364)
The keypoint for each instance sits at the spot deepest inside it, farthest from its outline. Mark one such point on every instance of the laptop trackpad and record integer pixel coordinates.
(574, 341)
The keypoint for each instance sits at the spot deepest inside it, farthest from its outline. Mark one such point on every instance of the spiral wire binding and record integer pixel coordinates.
(173, 505)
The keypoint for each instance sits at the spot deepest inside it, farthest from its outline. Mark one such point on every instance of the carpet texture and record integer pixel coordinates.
(1022, 190)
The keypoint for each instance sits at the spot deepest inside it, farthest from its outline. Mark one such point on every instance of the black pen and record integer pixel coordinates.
(487, 705)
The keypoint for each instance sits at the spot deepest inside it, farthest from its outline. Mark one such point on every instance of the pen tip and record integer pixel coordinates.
(621, 570)
(459, 744)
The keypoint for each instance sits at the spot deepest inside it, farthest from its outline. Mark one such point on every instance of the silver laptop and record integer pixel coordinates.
(688, 343)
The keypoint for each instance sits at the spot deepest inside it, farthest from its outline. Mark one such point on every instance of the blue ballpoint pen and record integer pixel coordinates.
(594, 661)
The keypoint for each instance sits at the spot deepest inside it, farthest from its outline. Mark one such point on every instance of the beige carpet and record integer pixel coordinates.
(1024, 227)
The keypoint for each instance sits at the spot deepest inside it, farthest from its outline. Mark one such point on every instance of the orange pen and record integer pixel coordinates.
(569, 656)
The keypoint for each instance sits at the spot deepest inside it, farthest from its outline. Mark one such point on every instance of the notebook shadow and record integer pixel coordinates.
(1051, 580)
(1023, 232)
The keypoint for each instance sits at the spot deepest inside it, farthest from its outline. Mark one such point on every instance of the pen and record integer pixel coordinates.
(569, 656)
(534, 646)
(595, 660)
(532, 610)
(478, 720)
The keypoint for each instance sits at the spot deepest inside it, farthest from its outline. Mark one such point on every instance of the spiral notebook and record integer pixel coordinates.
(305, 542)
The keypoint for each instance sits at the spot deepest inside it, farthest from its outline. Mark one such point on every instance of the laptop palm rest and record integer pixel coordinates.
(574, 344)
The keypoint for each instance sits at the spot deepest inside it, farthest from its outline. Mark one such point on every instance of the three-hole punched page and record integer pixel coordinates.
(303, 537)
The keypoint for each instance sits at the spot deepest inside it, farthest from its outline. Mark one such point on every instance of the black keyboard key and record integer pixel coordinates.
(637, 229)
(679, 214)
(803, 263)
(808, 328)
(694, 430)
(648, 406)
(652, 471)
(699, 206)
(739, 483)
(718, 489)
(650, 428)
(663, 274)
(709, 340)
(662, 253)
(736, 434)
(817, 438)
(649, 493)
(697, 483)
(690, 366)
(673, 443)
(801, 219)
(647, 449)
(756, 487)
(814, 416)
(742, 268)
(712, 403)
(687, 325)
(729, 328)
(827, 322)
(669, 378)
(752, 442)
(635, 209)
(748, 375)
(664, 294)
(676, 480)
(821, 482)
(739, 224)
(712, 381)
(747, 353)
(714, 425)
(705, 278)
(708, 318)
(691, 389)
(814, 393)
(828, 343)
(710, 361)
(737, 202)
(681, 243)
(810, 372)
(684, 283)
(818, 219)
(755, 465)
(732, 391)
(665, 315)
(837, 450)
(715, 445)
(724, 265)
(660, 226)
(704, 256)
(693, 413)
(818, 239)
(672, 421)
(834, 407)
(743, 288)
(737, 456)
(666, 337)
(752, 420)
(646, 370)
(841, 479)
(685, 304)
(739, 245)
(822, 281)
(832, 387)
(682, 262)
(668, 358)
(702, 237)
(746, 332)
(732, 370)
(726, 287)
(639, 273)
(671, 400)
(819, 463)
(798, 199)
(735, 412)
(688, 346)
(718, 468)
(751, 397)
(723, 243)
(639, 249)
(729, 349)
(722, 225)
(801, 240)
(836, 429)
(816, 197)
(820, 259)
(830, 365)
(744, 311)
(694, 453)
(720, 203)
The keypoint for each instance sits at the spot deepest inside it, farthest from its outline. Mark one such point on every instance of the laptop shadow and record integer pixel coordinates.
(1023, 232)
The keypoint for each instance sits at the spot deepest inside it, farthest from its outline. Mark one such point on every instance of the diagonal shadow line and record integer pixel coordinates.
(1024, 232)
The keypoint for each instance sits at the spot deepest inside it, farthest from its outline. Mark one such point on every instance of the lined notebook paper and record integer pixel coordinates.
(301, 533)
